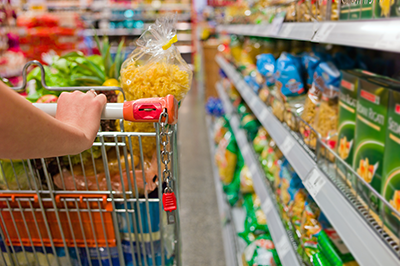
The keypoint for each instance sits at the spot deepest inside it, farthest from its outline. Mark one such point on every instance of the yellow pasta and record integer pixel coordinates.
(156, 79)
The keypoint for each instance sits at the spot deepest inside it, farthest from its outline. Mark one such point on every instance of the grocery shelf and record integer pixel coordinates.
(373, 34)
(286, 252)
(232, 218)
(364, 243)
(127, 32)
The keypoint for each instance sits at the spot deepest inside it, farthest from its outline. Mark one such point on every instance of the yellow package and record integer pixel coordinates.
(154, 69)
(246, 181)
(226, 158)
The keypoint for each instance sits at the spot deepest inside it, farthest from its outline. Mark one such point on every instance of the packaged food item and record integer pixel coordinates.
(358, 9)
(288, 75)
(236, 48)
(347, 119)
(294, 107)
(383, 9)
(232, 190)
(246, 181)
(310, 229)
(221, 126)
(326, 120)
(334, 249)
(266, 67)
(261, 252)
(93, 176)
(253, 84)
(261, 140)
(391, 167)
(343, 61)
(290, 183)
(250, 124)
(256, 221)
(310, 63)
(370, 133)
(154, 69)
(325, 85)
(226, 157)
(318, 259)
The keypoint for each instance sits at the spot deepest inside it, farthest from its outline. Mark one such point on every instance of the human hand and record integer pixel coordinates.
(82, 111)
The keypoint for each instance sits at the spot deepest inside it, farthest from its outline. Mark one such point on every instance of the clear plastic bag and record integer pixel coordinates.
(154, 69)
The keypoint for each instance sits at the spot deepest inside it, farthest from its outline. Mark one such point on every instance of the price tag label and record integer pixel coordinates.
(323, 32)
(390, 38)
(267, 206)
(264, 114)
(287, 145)
(314, 182)
(276, 24)
(286, 30)
(283, 247)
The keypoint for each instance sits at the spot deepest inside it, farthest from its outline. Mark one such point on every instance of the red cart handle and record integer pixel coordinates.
(150, 109)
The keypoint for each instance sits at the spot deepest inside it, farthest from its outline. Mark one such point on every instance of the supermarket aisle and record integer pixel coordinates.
(200, 224)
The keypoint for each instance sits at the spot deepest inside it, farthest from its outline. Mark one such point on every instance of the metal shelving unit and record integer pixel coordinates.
(362, 240)
(232, 218)
(373, 34)
(286, 252)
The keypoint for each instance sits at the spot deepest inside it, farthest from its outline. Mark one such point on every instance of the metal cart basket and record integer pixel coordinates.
(100, 207)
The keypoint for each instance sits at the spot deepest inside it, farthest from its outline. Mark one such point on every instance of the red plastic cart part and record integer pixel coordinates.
(150, 109)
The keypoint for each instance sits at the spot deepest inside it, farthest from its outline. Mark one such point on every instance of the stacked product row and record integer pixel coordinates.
(330, 96)
(316, 241)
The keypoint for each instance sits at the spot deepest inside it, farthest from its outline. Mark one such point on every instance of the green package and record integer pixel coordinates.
(358, 9)
(333, 248)
(261, 140)
(347, 119)
(261, 252)
(318, 259)
(233, 189)
(384, 8)
(250, 124)
(391, 166)
(370, 134)
(255, 222)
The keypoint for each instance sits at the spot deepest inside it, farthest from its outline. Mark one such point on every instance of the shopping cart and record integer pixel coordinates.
(101, 207)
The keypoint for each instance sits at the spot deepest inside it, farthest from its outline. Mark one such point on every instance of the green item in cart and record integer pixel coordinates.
(333, 248)
(318, 259)
(370, 133)
(261, 252)
(391, 166)
(347, 119)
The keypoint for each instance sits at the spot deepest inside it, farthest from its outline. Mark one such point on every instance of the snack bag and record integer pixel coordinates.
(288, 75)
(326, 120)
(221, 126)
(333, 248)
(266, 67)
(154, 69)
(261, 140)
(226, 158)
(310, 63)
(250, 124)
(246, 181)
(256, 221)
(232, 190)
(261, 252)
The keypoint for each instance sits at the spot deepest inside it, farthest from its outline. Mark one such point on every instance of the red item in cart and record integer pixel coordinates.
(80, 220)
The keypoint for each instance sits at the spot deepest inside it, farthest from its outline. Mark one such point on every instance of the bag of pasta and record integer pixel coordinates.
(326, 119)
(154, 69)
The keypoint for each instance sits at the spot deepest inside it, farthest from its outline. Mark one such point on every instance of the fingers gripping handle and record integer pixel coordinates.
(142, 110)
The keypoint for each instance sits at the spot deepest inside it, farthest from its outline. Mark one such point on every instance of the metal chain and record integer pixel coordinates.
(165, 154)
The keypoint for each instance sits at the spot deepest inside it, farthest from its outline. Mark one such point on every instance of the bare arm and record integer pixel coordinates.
(27, 132)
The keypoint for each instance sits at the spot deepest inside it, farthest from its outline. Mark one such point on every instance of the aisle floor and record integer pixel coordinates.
(200, 223)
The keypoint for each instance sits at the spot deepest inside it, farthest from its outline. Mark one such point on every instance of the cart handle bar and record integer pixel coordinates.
(142, 110)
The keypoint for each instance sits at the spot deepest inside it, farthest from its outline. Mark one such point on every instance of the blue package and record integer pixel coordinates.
(252, 83)
(290, 182)
(327, 80)
(148, 232)
(214, 107)
(310, 63)
(266, 67)
(108, 256)
(288, 75)
(145, 258)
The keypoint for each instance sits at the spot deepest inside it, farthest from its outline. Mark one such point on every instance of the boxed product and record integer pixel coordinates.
(391, 166)
(370, 134)
(358, 9)
(347, 118)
